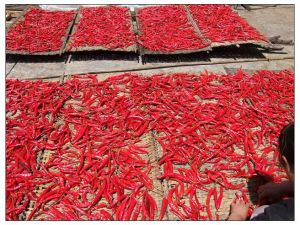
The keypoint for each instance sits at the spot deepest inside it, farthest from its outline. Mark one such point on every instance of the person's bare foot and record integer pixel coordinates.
(238, 208)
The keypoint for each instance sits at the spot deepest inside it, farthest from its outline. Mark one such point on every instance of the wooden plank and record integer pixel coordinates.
(17, 7)
(192, 21)
(12, 14)
(15, 21)
(69, 30)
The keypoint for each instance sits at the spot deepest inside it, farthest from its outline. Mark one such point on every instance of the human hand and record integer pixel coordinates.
(238, 208)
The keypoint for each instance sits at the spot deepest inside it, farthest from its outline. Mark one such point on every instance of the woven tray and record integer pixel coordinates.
(145, 51)
(64, 38)
(68, 48)
(231, 43)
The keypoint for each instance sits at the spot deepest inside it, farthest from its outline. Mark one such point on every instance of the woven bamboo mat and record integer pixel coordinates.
(69, 48)
(260, 43)
(64, 38)
(145, 51)
(228, 195)
(160, 189)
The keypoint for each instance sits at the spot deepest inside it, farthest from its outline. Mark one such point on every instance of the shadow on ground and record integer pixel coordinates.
(35, 58)
(104, 55)
(247, 51)
(226, 52)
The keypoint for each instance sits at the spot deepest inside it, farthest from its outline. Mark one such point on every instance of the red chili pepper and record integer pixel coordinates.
(80, 133)
(98, 195)
(218, 200)
(220, 23)
(121, 209)
(209, 194)
(137, 211)
(171, 23)
(131, 206)
(40, 31)
(100, 171)
(163, 209)
(107, 27)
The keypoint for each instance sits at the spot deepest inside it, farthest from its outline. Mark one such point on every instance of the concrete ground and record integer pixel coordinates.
(264, 19)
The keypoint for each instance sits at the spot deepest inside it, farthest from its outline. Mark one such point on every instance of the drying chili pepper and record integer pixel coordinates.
(163, 209)
(89, 157)
(209, 194)
(167, 29)
(39, 31)
(108, 27)
(219, 23)
(218, 200)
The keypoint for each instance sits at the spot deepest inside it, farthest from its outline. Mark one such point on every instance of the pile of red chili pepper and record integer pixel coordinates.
(220, 23)
(108, 27)
(167, 29)
(214, 132)
(39, 31)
